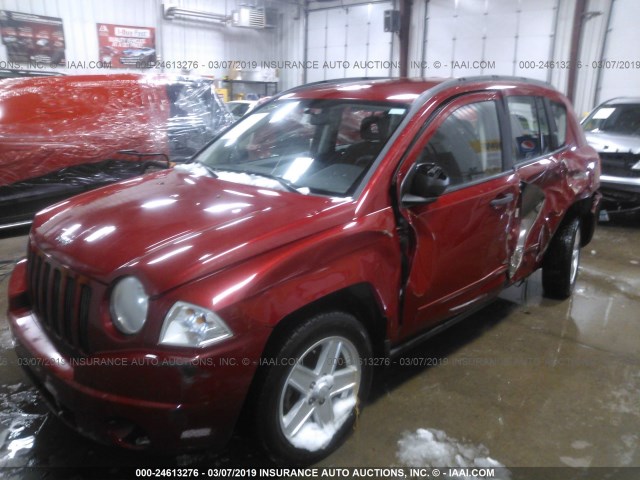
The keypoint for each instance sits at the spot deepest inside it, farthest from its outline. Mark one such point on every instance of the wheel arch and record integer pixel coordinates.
(586, 209)
(359, 300)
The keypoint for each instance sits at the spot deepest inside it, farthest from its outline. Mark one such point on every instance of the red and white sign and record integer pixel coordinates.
(127, 47)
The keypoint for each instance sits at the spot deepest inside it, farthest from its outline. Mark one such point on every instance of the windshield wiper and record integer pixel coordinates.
(282, 181)
(209, 169)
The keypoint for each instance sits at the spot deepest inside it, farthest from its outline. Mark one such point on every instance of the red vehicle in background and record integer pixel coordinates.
(318, 237)
(67, 134)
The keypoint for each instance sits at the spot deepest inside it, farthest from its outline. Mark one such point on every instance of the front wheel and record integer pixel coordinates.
(312, 387)
(560, 264)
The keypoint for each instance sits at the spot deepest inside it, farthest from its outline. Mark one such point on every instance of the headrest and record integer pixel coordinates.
(374, 128)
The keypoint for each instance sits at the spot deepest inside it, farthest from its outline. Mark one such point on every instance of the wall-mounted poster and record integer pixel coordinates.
(127, 47)
(32, 38)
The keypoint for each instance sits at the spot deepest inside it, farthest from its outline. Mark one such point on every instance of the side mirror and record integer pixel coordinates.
(427, 181)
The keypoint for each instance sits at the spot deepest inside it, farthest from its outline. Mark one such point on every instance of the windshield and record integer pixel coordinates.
(620, 118)
(322, 147)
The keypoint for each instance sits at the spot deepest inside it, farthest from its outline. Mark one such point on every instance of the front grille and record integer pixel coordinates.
(619, 164)
(61, 300)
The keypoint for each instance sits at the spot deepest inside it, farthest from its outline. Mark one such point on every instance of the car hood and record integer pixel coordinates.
(172, 227)
(613, 142)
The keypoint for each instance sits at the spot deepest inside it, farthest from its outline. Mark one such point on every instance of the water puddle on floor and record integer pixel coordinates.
(597, 315)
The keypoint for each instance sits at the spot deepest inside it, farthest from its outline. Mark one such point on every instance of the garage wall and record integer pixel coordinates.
(188, 39)
(348, 40)
(594, 32)
(620, 73)
(178, 39)
(290, 45)
(455, 38)
(449, 37)
(521, 36)
(468, 37)
(609, 64)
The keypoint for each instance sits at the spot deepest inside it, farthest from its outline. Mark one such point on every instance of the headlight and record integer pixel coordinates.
(129, 305)
(636, 166)
(188, 325)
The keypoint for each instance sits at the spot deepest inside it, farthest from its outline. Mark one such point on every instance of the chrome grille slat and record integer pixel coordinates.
(69, 310)
(46, 294)
(61, 299)
(619, 164)
(83, 316)
(56, 319)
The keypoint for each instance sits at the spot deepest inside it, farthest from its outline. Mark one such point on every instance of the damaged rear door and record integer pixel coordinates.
(536, 135)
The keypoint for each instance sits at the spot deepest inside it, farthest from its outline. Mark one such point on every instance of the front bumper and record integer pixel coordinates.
(138, 400)
(625, 184)
(620, 193)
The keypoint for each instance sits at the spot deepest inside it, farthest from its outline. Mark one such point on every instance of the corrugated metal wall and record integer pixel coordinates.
(466, 37)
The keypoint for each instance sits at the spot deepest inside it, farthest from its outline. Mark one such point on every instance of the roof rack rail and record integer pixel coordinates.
(335, 81)
(531, 81)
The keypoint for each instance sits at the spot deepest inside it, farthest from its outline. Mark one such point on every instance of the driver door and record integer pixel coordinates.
(458, 242)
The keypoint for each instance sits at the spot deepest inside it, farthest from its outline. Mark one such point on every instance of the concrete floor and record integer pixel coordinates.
(526, 382)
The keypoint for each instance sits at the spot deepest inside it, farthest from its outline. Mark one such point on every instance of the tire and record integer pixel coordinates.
(304, 411)
(560, 264)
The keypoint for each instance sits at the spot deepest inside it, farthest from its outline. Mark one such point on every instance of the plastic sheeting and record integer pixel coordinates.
(196, 116)
(50, 124)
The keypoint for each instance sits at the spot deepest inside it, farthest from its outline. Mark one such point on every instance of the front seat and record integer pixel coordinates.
(374, 131)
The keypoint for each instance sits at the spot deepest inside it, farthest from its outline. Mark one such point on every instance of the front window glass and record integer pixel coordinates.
(322, 147)
(467, 145)
(616, 118)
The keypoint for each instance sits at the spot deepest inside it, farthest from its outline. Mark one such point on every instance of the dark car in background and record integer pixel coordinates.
(64, 135)
(613, 129)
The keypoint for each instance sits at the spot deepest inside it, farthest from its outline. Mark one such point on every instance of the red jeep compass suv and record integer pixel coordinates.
(333, 226)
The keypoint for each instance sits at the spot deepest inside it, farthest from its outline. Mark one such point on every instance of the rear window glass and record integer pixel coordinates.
(529, 127)
(559, 113)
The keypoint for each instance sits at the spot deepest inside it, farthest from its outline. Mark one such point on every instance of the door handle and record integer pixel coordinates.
(502, 200)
